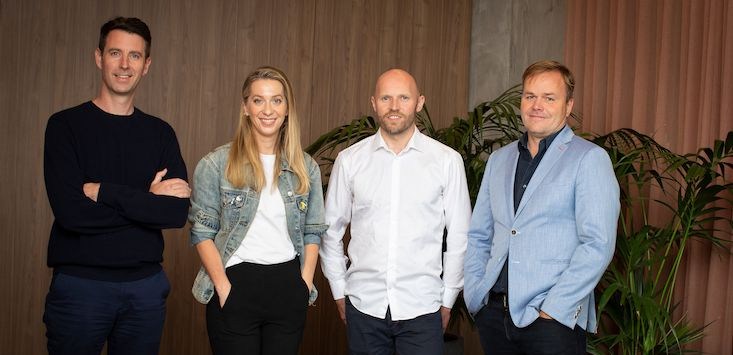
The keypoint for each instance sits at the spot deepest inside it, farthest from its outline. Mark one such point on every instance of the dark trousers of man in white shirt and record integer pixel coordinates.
(370, 335)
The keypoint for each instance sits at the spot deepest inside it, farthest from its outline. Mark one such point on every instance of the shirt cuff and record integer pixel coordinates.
(449, 297)
(337, 288)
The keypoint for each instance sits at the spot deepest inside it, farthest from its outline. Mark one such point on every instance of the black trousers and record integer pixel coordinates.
(264, 313)
(499, 335)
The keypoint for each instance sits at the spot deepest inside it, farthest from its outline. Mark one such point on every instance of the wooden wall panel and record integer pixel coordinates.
(331, 50)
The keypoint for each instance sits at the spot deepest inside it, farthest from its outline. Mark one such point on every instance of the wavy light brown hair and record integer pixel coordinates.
(244, 167)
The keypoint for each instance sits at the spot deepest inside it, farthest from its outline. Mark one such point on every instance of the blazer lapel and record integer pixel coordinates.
(509, 176)
(552, 156)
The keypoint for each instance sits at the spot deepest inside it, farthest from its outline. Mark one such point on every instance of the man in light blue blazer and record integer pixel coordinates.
(543, 229)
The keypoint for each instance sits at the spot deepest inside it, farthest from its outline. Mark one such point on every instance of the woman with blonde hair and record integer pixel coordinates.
(257, 220)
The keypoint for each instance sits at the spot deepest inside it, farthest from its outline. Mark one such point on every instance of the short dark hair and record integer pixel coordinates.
(128, 24)
(545, 66)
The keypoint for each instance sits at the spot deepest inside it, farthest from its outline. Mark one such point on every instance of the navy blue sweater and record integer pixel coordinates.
(117, 238)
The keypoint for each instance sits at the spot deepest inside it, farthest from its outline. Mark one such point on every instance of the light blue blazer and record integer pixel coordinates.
(560, 240)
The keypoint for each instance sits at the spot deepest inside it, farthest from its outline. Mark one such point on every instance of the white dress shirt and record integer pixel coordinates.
(398, 206)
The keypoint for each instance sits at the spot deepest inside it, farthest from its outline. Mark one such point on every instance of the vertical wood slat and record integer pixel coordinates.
(331, 50)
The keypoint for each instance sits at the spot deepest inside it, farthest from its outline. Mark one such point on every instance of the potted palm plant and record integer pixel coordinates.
(636, 293)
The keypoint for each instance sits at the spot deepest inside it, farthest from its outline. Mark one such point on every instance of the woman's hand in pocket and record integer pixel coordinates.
(308, 283)
(223, 292)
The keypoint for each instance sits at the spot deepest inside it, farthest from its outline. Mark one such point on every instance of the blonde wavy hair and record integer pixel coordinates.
(244, 167)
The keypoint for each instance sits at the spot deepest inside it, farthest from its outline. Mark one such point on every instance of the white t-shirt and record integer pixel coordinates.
(267, 240)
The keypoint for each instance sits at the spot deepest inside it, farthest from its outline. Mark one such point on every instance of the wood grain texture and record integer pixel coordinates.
(331, 50)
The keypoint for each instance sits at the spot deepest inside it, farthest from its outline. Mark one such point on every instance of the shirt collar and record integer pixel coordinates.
(544, 143)
(416, 142)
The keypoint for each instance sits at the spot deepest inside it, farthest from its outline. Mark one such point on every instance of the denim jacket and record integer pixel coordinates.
(224, 213)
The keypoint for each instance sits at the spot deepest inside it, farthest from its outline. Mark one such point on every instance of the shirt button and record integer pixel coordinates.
(290, 193)
(514, 232)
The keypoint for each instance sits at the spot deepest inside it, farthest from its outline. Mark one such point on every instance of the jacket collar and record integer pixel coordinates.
(554, 152)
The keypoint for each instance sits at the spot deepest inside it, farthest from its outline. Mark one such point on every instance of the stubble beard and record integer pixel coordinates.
(396, 129)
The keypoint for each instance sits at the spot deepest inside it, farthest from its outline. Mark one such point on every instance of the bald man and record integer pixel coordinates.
(400, 191)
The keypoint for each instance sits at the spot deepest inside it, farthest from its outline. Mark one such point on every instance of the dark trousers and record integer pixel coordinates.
(264, 313)
(375, 336)
(81, 314)
(499, 335)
